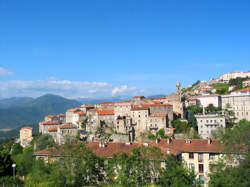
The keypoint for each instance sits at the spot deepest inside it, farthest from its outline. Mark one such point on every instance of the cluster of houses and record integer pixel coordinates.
(140, 115)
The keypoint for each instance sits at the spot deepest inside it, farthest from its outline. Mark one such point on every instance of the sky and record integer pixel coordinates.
(105, 48)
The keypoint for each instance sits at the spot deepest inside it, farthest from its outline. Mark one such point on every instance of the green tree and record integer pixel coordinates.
(175, 174)
(16, 149)
(5, 164)
(44, 141)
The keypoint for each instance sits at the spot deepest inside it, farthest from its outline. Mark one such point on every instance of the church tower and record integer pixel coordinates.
(178, 88)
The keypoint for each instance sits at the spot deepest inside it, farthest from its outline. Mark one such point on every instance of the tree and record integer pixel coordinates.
(84, 124)
(236, 140)
(175, 174)
(16, 149)
(44, 141)
(5, 164)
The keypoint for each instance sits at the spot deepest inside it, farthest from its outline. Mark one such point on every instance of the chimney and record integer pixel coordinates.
(168, 150)
(188, 141)
(209, 141)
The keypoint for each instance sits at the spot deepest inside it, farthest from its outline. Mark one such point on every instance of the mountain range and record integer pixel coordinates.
(21, 111)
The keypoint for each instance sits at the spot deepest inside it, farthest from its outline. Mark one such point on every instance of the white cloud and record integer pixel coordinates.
(124, 89)
(4, 71)
(65, 88)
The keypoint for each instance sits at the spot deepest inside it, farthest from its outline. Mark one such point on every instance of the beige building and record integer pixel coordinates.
(208, 123)
(25, 136)
(233, 75)
(239, 102)
(45, 125)
(62, 132)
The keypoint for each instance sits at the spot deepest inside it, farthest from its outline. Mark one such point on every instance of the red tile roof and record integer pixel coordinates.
(155, 105)
(159, 98)
(43, 152)
(30, 128)
(49, 123)
(72, 110)
(81, 113)
(67, 126)
(105, 112)
(53, 129)
(176, 146)
(61, 115)
(243, 90)
(158, 115)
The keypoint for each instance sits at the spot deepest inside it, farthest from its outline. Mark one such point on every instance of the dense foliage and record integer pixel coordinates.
(237, 140)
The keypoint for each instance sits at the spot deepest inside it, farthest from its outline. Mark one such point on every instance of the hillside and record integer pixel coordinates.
(34, 111)
(15, 102)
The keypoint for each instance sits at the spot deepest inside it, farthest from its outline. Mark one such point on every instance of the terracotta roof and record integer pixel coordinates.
(30, 128)
(155, 105)
(61, 115)
(67, 126)
(138, 97)
(53, 129)
(243, 90)
(49, 123)
(138, 107)
(176, 146)
(158, 115)
(159, 98)
(112, 148)
(81, 113)
(105, 112)
(191, 99)
(72, 110)
(106, 102)
(43, 152)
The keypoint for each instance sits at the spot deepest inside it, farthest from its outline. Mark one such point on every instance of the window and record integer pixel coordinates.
(201, 120)
(200, 157)
(201, 168)
(211, 156)
(201, 126)
(191, 155)
(191, 165)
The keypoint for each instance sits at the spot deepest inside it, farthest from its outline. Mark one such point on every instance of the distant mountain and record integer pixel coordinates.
(34, 111)
(99, 100)
(159, 95)
(14, 102)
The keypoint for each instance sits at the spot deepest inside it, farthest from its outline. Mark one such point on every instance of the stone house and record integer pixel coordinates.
(25, 136)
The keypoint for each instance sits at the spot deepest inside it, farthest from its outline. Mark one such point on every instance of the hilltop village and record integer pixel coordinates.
(203, 108)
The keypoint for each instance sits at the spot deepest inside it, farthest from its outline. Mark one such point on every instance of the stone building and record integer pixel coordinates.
(63, 132)
(239, 102)
(233, 75)
(208, 123)
(45, 125)
(25, 136)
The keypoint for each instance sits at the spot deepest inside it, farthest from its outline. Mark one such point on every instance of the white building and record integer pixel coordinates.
(206, 100)
(239, 102)
(208, 123)
(233, 75)
(246, 83)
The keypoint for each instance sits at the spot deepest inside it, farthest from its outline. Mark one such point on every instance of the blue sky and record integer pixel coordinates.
(101, 48)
